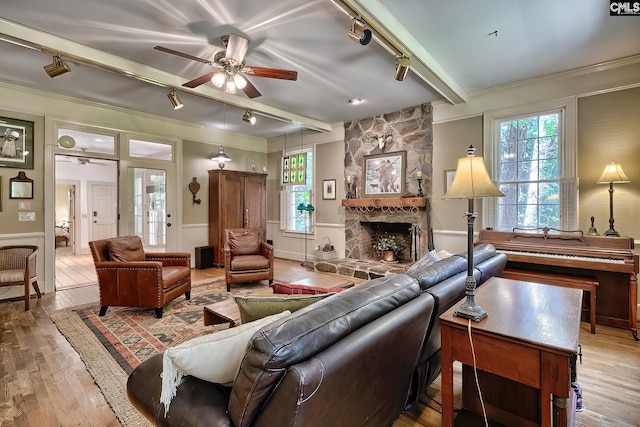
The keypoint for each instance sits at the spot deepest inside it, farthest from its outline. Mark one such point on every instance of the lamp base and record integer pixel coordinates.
(470, 310)
(611, 232)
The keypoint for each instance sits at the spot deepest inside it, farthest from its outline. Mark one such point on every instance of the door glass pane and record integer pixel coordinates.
(149, 205)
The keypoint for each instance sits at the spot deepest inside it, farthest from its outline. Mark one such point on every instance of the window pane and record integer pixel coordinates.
(528, 171)
(510, 194)
(87, 142)
(150, 150)
(527, 216)
(548, 169)
(300, 221)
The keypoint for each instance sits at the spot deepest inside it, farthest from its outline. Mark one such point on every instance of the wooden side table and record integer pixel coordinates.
(222, 312)
(527, 342)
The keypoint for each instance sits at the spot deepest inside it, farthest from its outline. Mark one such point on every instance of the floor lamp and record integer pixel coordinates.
(612, 174)
(470, 181)
(309, 209)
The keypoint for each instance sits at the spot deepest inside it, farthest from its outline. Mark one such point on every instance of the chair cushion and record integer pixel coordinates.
(215, 357)
(10, 276)
(127, 248)
(296, 289)
(253, 307)
(246, 242)
(174, 274)
(249, 262)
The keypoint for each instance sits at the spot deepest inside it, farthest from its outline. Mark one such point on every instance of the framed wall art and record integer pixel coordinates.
(16, 143)
(21, 187)
(294, 168)
(328, 189)
(448, 178)
(384, 174)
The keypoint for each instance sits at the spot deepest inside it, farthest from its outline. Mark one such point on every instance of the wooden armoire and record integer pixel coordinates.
(236, 200)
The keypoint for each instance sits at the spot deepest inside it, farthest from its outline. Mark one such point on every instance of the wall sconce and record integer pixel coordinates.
(175, 101)
(221, 158)
(57, 67)
(248, 117)
(359, 33)
(402, 67)
(194, 187)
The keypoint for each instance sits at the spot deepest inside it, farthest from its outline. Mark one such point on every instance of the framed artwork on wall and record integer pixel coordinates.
(21, 187)
(328, 189)
(16, 143)
(384, 174)
(448, 178)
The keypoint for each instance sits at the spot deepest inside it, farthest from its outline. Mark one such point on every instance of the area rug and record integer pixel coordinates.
(113, 345)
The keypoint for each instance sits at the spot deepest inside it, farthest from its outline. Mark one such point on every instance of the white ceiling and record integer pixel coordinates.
(450, 43)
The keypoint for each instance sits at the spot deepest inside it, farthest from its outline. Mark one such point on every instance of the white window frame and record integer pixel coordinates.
(567, 156)
(286, 197)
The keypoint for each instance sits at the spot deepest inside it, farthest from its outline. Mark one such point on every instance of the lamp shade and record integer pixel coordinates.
(471, 179)
(220, 157)
(613, 173)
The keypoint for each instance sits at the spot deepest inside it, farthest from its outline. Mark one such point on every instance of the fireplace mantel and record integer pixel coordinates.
(386, 202)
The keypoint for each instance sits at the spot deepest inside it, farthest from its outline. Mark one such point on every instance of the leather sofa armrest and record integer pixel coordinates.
(266, 250)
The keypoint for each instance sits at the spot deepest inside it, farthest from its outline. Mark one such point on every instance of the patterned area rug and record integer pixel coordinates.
(112, 345)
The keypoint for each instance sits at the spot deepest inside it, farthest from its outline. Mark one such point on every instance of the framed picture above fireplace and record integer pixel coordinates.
(384, 174)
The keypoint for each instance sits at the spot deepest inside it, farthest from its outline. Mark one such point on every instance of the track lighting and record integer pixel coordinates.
(359, 33)
(248, 117)
(220, 157)
(175, 101)
(57, 67)
(402, 67)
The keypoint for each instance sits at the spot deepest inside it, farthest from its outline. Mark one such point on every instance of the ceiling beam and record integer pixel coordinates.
(425, 66)
(48, 43)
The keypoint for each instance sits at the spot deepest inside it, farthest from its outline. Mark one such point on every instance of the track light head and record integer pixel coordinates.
(402, 68)
(359, 33)
(248, 117)
(57, 67)
(175, 101)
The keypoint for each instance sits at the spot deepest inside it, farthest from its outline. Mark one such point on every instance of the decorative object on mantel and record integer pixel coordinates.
(351, 194)
(612, 173)
(194, 187)
(592, 230)
(388, 246)
(471, 180)
(419, 178)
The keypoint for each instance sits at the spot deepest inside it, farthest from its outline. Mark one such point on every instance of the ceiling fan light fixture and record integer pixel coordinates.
(66, 141)
(175, 100)
(230, 86)
(359, 32)
(402, 68)
(218, 79)
(57, 67)
(248, 117)
(239, 81)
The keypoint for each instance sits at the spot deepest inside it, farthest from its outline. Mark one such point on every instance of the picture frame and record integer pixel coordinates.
(448, 178)
(16, 143)
(21, 187)
(384, 174)
(328, 189)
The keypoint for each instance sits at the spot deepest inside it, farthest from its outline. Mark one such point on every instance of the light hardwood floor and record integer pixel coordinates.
(43, 382)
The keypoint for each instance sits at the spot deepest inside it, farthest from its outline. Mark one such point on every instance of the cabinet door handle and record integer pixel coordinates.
(246, 218)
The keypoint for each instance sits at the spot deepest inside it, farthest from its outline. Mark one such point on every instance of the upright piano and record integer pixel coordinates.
(610, 260)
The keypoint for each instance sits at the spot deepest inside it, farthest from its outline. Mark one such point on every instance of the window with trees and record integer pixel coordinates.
(529, 171)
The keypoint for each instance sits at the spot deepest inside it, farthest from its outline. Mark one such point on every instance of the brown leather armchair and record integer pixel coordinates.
(246, 257)
(129, 277)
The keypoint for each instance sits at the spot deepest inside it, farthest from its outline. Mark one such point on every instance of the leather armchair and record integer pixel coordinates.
(129, 277)
(246, 257)
(18, 268)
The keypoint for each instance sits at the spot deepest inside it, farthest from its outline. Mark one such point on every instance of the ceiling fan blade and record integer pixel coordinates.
(250, 90)
(199, 81)
(272, 73)
(182, 54)
(237, 48)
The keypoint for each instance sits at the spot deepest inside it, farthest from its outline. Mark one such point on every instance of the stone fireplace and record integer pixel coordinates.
(406, 216)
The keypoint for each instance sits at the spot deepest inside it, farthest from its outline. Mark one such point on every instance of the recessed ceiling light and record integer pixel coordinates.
(355, 101)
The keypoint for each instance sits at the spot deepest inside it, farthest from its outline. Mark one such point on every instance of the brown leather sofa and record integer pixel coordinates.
(129, 277)
(357, 358)
(246, 257)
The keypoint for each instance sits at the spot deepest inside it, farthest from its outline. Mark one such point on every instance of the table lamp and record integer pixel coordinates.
(470, 181)
(612, 174)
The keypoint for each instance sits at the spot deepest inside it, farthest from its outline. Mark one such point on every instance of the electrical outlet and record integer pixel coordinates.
(26, 216)
(24, 206)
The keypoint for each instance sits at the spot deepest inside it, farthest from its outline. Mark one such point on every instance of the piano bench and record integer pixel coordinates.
(585, 283)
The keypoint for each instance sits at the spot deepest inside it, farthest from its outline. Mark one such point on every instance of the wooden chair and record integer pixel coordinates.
(246, 257)
(18, 268)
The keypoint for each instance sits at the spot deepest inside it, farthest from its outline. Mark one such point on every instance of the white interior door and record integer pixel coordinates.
(104, 211)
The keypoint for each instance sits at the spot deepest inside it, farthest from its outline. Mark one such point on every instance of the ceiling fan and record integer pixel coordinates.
(80, 161)
(232, 67)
